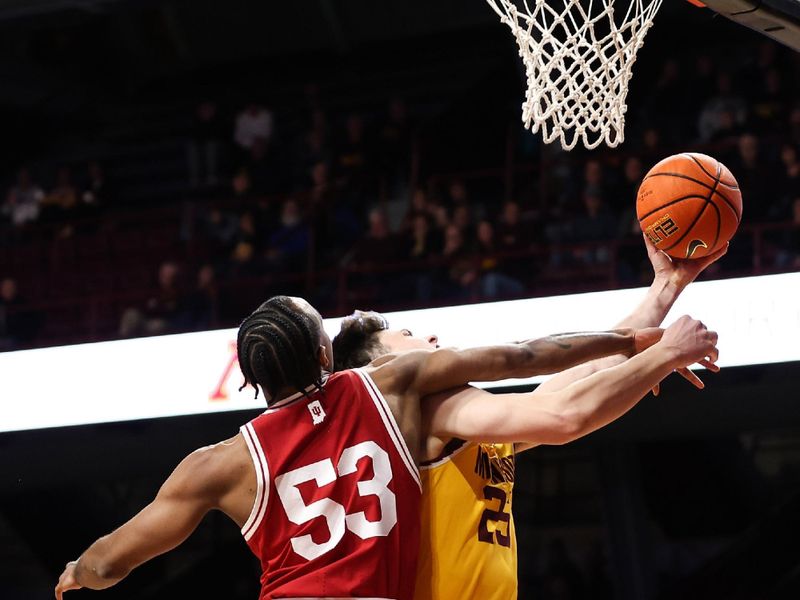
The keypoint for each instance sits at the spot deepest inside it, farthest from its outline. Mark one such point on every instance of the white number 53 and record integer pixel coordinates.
(322, 473)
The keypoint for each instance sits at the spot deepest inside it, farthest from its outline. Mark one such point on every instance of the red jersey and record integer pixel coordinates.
(337, 508)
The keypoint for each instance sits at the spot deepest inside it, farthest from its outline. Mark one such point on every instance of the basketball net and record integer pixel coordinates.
(578, 57)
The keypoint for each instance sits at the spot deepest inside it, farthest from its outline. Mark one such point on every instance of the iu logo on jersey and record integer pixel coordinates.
(317, 412)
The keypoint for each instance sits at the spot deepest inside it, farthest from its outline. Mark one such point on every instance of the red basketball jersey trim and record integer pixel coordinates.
(391, 425)
(262, 478)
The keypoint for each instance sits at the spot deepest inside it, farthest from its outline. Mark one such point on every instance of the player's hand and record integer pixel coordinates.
(692, 342)
(644, 338)
(680, 272)
(67, 580)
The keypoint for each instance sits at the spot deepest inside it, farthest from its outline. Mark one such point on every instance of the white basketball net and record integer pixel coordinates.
(578, 57)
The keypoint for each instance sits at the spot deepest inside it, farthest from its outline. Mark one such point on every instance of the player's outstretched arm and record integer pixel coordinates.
(193, 489)
(670, 277)
(428, 372)
(575, 410)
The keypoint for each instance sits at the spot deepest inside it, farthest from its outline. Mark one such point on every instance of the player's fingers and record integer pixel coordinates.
(713, 337)
(656, 389)
(712, 258)
(709, 365)
(691, 378)
(713, 355)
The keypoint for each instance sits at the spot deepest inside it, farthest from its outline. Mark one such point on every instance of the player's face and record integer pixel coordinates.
(401, 340)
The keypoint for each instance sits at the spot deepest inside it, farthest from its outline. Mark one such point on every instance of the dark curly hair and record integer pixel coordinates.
(357, 343)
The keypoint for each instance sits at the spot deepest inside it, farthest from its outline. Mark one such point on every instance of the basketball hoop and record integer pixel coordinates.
(578, 57)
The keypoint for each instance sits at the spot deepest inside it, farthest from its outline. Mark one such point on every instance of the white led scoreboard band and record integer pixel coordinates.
(758, 319)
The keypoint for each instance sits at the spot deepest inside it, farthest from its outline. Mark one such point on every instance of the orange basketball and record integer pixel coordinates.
(689, 205)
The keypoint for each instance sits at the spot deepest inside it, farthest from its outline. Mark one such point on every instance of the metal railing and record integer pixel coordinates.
(94, 316)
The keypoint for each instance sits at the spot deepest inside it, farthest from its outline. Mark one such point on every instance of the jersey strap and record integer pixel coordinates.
(262, 478)
(391, 425)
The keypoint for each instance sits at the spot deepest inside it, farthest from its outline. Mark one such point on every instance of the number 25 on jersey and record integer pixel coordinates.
(336, 517)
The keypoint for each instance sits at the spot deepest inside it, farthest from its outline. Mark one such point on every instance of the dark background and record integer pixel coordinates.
(691, 495)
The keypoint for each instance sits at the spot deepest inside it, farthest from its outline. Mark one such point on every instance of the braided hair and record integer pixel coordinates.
(278, 347)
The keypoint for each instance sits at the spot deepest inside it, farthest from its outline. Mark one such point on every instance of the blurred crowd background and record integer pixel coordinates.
(166, 165)
(181, 209)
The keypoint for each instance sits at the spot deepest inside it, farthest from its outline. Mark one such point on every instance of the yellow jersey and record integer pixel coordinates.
(468, 547)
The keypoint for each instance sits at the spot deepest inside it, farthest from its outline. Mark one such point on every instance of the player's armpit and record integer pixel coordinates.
(187, 495)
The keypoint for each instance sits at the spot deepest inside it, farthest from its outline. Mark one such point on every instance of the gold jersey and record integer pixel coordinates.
(468, 547)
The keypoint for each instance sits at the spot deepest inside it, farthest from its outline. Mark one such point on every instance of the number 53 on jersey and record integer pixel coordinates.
(335, 517)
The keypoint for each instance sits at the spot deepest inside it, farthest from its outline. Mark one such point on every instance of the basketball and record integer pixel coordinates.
(689, 205)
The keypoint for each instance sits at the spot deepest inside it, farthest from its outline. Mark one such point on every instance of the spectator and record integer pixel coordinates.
(595, 224)
(23, 201)
(8, 300)
(202, 151)
(495, 280)
(18, 327)
(510, 233)
(62, 201)
(319, 124)
(755, 176)
(395, 140)
(651, 150)
(770, 104)
(288, 246)
(457, 277)
(419, 205)
(794, 125)
(336, 222)
(380, 246)
(166, 311)
(252, 123)
(625, 196)
(724, 100)
(242, 184)
(787, 182)
(633, 267)
(95, 194)
(218, 227)
(423, 243)
(247, 247)
(463, 218)
(594, 180)
(202, 302)
(312, 151)
(61, 204)
(423, 239)
(354, 163)
(701, 83)
(668, 97)
(261, 167)
(788, 256)
(728, 130)
(457, 194)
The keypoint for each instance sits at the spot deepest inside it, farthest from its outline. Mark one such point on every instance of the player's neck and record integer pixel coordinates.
(288, 391)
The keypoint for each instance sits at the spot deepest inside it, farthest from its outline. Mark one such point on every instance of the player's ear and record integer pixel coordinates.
(324, 359)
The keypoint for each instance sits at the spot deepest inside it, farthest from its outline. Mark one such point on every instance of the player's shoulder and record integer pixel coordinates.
(214, 468)
(395, 371)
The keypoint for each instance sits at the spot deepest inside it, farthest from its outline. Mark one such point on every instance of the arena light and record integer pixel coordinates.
(758, 319)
